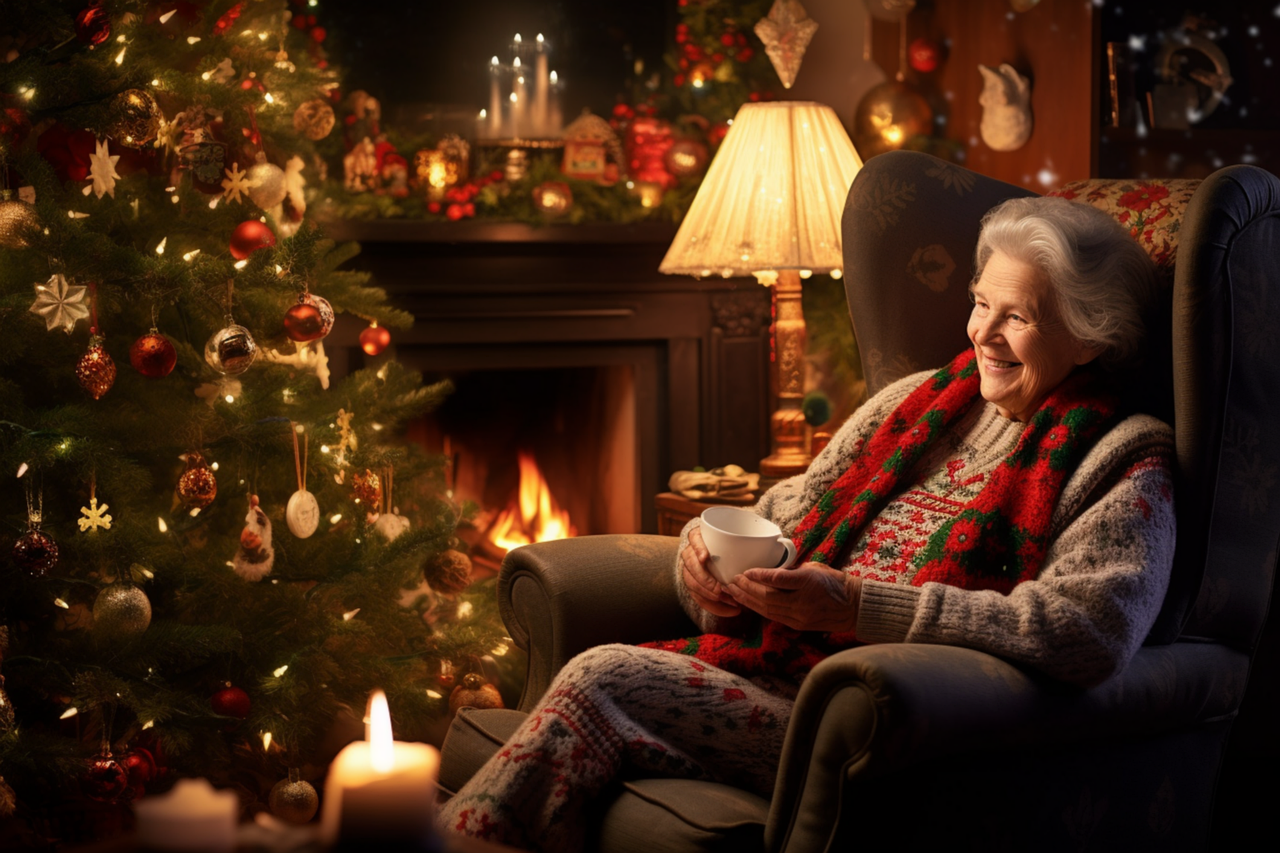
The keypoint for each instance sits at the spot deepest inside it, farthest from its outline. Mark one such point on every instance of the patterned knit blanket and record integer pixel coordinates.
(996, 542)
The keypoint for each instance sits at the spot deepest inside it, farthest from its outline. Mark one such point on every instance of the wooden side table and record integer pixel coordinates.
(674, 510)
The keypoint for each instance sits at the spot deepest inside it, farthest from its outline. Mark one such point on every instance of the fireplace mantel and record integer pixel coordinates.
(506, 296)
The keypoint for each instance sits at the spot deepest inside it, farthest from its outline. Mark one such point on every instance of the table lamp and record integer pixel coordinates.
(770, 206)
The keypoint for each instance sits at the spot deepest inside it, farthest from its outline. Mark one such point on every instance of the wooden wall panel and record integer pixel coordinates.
(1053, 44)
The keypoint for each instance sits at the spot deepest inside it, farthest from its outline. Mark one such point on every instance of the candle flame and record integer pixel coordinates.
(381, 750)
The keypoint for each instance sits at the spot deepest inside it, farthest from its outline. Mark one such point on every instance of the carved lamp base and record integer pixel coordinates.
(790, 446)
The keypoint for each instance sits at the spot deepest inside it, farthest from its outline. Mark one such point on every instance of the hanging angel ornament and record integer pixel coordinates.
(60, 303)
(302, 513)
(255, 556)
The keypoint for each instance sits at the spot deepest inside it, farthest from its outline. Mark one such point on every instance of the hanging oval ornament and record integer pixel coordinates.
(153, 355)
(302, 513)
(95, 371)
(197, 487)
(310, 319)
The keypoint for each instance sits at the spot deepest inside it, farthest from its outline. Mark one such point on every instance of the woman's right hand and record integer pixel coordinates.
(704, 589)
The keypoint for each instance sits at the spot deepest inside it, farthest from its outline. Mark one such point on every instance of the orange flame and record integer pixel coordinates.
(536, 517)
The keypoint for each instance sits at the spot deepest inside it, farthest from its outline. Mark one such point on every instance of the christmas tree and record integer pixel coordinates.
(215, 549)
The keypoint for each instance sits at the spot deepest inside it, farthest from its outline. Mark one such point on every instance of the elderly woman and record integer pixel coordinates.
(1001, 503)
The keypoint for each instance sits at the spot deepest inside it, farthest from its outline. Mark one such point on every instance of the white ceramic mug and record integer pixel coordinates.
(738, 540)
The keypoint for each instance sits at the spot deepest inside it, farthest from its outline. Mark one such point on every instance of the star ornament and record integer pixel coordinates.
(102, 171)
(236, 186)
(95, 517)
(61, 304)
(786, 32)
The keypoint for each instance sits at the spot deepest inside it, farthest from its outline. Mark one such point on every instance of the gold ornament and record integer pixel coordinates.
(517, 165)
(314, 119)
(139, 118)
(266, 183)
(95, 516)
(366, 488)
(17, 219)
(553, 198)
(888, 116)
(96, 371)
(197, 486)
(347, 438)
(293, 800)
(121, 611)
(447, 165)
(786, 32)
(474, 692)
(60, 303)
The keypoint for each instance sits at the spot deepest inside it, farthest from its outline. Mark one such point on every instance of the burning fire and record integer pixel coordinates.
(536, 518)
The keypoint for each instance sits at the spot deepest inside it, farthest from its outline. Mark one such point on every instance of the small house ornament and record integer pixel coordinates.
(592, 151)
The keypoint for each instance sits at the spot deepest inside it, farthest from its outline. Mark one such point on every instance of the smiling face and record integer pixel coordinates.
(1024, 350)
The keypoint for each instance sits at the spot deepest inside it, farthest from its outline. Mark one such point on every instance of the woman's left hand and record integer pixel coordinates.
(811, 597)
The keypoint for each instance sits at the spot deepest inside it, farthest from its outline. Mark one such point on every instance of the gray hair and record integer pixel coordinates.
(1102, 279)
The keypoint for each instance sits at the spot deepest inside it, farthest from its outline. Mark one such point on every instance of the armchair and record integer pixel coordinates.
(923, 744)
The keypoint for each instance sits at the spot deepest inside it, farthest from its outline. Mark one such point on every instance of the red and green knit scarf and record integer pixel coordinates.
(996, 542)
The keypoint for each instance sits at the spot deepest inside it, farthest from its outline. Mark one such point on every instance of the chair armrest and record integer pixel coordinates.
(560, 598)
(868, 712)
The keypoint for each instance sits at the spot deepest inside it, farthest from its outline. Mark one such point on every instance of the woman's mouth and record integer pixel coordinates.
(997, 364)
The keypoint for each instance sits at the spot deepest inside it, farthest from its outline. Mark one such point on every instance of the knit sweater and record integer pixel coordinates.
(1099, 589)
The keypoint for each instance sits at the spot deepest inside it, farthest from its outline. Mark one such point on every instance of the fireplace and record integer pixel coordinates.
(566, 344)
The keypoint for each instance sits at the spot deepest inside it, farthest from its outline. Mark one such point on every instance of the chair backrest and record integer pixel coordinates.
(1211, 365)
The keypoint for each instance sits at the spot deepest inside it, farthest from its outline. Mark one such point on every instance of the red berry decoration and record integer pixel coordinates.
(104, 780)
(230, 702)
(93, 25)
(250, 236)
(152, 355)
(310, 319)
(923, 55)
(374, 339)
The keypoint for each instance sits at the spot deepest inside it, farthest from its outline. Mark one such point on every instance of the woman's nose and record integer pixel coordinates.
(986, 328)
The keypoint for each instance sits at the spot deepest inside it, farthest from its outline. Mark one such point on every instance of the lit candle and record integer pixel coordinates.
(192, 817)
(555, 122)
(540, 117)
(381, 792)
(495, 100)
(519, 108)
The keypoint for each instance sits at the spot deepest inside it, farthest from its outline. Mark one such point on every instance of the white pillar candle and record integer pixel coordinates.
(540, 123)
(381, 792)
(555, 122)
(519, 102)
(192, 818)
(495, 100)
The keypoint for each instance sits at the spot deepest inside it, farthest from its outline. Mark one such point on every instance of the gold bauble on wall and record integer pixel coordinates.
(888, 116)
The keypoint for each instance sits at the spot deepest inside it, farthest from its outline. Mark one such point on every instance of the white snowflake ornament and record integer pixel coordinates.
(60, 303)
(102, 171)
(235, 186)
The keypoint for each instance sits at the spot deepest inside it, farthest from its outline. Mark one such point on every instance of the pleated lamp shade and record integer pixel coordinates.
(773, 196)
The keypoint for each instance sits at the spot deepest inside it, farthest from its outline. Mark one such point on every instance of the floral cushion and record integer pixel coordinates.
(1152, 210)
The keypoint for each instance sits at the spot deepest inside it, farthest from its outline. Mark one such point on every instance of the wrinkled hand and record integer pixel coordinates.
(705, 590)
(811, 597)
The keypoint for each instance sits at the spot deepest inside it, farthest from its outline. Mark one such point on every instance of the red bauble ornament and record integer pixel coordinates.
(93, 25)
(250, 236)
(104, 780)
(311, 318)
(923, 55)
(230, 702)
(36, 552)
(96, 371)
(140, 767)
(152, 355)
(374, 339)
(197, 487)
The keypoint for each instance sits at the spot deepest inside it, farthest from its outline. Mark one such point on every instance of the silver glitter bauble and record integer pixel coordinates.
(121, 610)
(266, 184)
(231, 351)
(293, 800)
